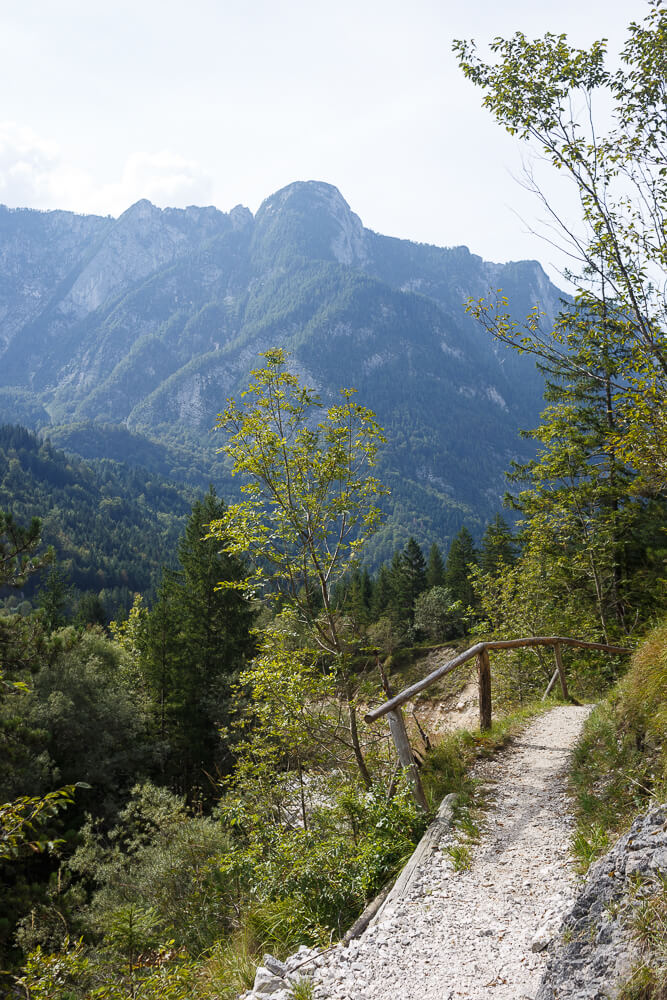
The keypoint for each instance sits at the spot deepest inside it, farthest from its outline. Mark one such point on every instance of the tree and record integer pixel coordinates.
(435, 568)
(310, 500)
(196, 640)
(407, 576)
(438, 615)
(54, 597)
(498, 547)
(381, 592)
(18, 546)
(620, 175)
(462, 556)
(90, 610)
(414, 569)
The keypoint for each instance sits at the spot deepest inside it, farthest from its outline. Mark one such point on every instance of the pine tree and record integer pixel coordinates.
(198, 638)
(407, 576)
(461, 557)
(435, 568)
(381, 593)
(498, 547)
(415, 568)
(576, 499)
(54, 598)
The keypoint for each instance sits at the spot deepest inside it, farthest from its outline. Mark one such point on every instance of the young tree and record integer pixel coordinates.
(438, 615)
(546, 92)
(310, 500)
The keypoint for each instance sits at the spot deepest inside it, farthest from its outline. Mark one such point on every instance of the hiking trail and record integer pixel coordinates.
(481, 932)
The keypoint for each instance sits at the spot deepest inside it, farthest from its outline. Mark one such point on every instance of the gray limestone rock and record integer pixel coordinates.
(594, 951)
(266, 983)
(274, 965)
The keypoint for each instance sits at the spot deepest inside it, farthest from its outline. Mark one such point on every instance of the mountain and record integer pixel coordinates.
(148, 322)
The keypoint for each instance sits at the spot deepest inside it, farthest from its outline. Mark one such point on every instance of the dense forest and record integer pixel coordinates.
(111, 526)
(194, 782)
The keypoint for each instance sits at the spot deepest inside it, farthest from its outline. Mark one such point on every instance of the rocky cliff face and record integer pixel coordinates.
(595, 951)
(152, 319)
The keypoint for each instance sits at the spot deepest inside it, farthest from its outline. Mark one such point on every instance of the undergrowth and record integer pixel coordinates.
(261, 885)
(620, 763)
(619, 770)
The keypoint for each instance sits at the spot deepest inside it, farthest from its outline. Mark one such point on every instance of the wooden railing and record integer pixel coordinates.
(392, 707)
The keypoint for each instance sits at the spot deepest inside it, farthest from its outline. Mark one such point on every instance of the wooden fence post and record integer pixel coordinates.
(550, 685)
(484, 683)
(561, 672)
(404, 752)
(399, 735)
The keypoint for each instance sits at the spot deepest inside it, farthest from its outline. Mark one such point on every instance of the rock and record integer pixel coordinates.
(595, 950)
(274, 965)
(266, 983)
(542, 937)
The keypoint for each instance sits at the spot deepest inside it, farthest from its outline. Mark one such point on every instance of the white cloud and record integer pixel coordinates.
(165, 178)
(28, 165)
(35, 174)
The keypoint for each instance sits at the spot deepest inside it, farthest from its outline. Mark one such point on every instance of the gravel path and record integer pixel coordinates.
(478, 933)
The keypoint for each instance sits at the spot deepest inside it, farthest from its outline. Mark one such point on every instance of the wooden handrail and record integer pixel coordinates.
(479, 649)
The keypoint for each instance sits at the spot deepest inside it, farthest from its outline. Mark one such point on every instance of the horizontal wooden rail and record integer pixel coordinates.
(480, 649)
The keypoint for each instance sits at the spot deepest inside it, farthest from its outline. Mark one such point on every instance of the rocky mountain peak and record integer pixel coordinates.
(316, 220)
(240, 217)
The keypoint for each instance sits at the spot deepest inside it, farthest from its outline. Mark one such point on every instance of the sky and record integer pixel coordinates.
(223, 102)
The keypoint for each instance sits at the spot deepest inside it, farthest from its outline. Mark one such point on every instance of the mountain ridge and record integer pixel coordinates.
(151, 320)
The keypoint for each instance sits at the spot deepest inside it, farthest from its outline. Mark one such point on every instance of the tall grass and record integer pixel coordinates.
(620, 764)
(619, 770)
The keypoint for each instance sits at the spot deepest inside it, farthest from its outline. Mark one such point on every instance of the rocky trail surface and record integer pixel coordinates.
(480, 932)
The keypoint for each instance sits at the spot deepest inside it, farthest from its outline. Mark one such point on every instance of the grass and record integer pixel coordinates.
(620, 763)
(229, 968)
(303, 988)
(619, 770)
(461, 856)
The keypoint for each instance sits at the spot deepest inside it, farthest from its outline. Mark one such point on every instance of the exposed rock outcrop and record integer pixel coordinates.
(595, 951)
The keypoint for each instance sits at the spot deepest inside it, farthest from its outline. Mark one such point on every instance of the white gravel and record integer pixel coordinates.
(478, 933)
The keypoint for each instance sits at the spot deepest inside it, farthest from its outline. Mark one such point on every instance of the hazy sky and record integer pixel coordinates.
(224, 101)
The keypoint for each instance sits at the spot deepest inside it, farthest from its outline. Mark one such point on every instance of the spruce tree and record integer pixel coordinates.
(407, 581)
(381, 593)
(461, 557)
(435, 568)
(498, 547)
(198, 640)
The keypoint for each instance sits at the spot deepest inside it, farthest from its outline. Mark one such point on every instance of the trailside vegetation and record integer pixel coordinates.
(232, 799)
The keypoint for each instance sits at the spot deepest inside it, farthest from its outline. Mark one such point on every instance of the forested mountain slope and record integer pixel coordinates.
(151, 320)
(112, 527)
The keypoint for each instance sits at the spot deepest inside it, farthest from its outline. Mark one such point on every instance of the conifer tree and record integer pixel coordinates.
(461, 558)
(498, 547)
(198, 637)
(381, 592)
(54, 598)
(435, 568)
